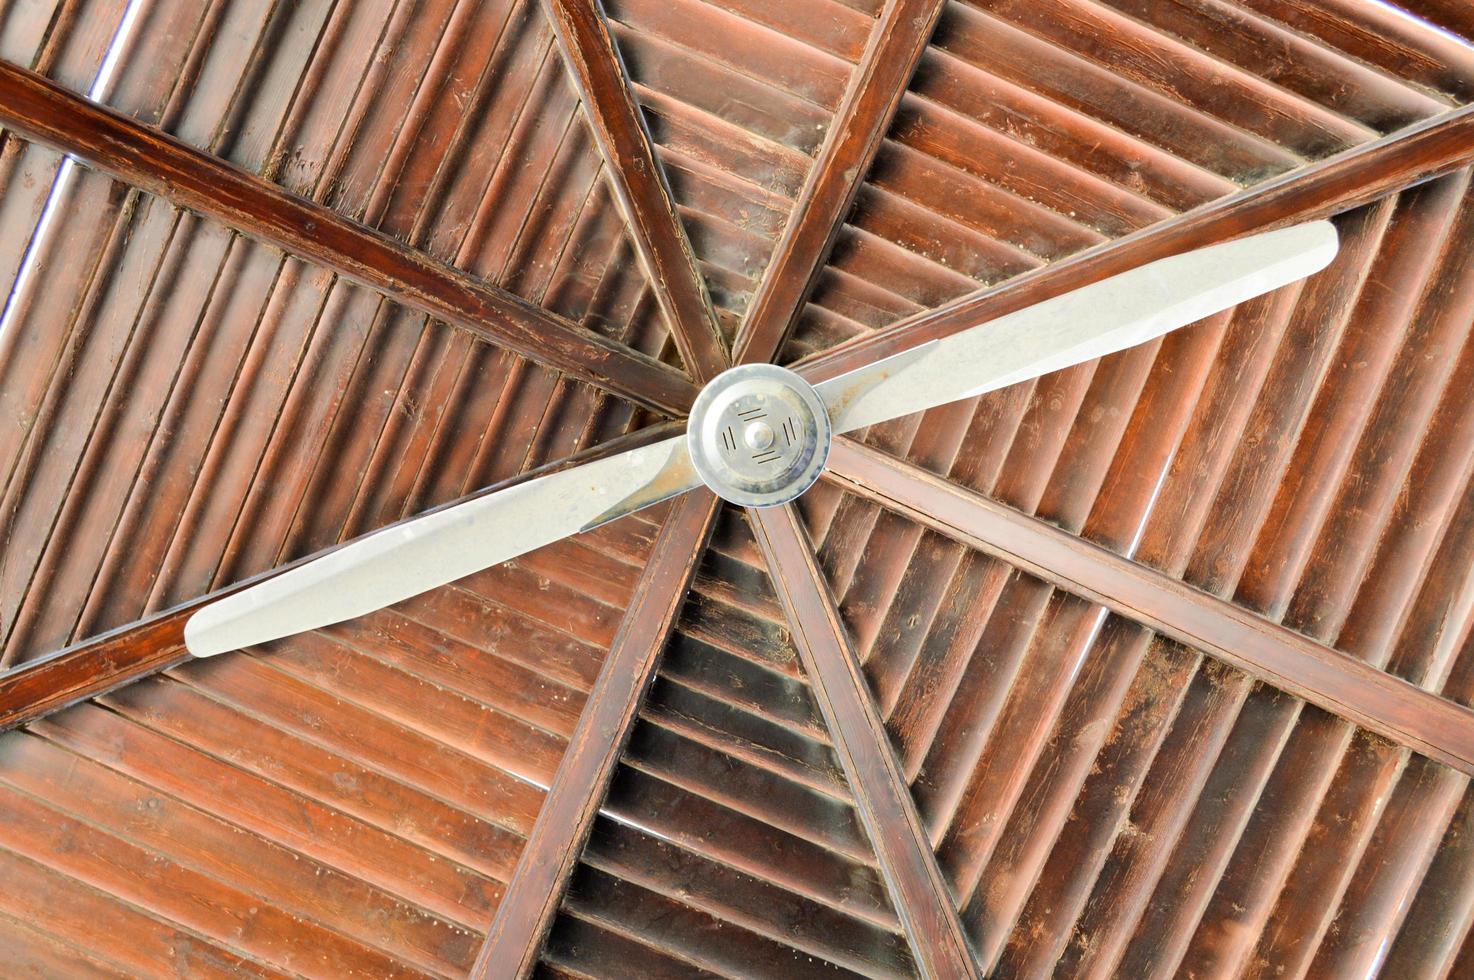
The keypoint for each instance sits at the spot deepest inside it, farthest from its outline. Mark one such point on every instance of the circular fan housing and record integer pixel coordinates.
(759, 435)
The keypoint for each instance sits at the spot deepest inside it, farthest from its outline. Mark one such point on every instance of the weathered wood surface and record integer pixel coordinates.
(850, 144)
(368, 788)
(639, 184)
(122, 484)
(155, 162)
(1441, 144)
(1174, 483)
(582, 780)
(189, 407)
(124, 655)
(882, 795)
(1380, 702)
(1031, 136)
(730, 837)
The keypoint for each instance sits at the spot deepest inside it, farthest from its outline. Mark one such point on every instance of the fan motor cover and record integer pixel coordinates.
(759, 435)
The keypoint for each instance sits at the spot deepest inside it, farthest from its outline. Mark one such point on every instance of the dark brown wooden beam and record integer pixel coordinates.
(1377, 701)
(38, 109)
(552, 851)
(1330, 186)
(918, 892)
(860, 124)
(121, 656)
(113, 660)
(640, 189)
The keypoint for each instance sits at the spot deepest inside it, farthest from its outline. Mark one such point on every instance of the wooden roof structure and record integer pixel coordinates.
(1156, 666)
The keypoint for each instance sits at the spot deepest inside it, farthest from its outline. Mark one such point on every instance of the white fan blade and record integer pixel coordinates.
(420, 554)
(1093, 321)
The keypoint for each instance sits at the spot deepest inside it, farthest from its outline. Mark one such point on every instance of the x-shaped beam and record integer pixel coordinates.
(40, 110)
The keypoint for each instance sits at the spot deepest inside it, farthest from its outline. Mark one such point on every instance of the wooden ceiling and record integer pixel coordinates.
(1155, 666)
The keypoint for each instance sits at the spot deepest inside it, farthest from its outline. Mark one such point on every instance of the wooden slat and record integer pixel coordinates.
(41, 110)
(639, 185)
(854, 137)
(1337, 184)
(156, 643)
(918, 892)
(533, 895)
(1436, 727)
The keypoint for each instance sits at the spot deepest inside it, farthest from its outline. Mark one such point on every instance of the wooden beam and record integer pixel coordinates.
(121, 656)
(1383, 703)
(640, 189)
(860, 124)
(1330, 186)
(553, 848)
(40, 110)
(918, 892)
(113, 660)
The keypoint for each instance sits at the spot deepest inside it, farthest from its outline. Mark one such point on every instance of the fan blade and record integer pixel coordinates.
(441, 546)
(1090, 322)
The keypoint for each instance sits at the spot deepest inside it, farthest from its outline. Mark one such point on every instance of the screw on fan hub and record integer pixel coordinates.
(759, 435)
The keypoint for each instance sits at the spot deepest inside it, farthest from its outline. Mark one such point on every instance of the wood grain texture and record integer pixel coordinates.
(1099, 822)
(181, 407)
(1338, 184)
(374, 782)
(729, 841)
(130, 653)
(1389, 706)
(1030, 135)
(738, 97)
(162, 165)
(331, 394)
(1164, 453)
(583, 777)
(919, 893)
(850, 145)
(640, 188)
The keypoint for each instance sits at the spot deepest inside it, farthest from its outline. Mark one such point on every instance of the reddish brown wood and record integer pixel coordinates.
(1289, 892)
(578, 788)
(45, 112)
(95, 666)
(154, 644)
(1438, 728)
(182, 834)
(1208, 776)
(919, 894)
(84, 917)
(1032, 130)
(854, 137)
(1336, 184)
(639, 183)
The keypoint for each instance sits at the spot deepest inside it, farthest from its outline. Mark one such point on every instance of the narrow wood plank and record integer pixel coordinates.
(1331, 186)
(640, 190)
(532, 898)
(1353, 689)
(919, 894)
(129, 653)
(860, 124)
(40, 110)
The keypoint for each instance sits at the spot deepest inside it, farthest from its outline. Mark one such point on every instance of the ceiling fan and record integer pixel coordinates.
(759, 435)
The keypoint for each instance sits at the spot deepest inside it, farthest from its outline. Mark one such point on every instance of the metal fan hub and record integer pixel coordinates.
(759, 435)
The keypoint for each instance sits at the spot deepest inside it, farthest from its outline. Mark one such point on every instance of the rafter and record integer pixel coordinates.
(1330, 186)
(1377, 701)
(918, 892)
(598, 75)
(553, 848)
(113, 660)
(156, 643)
(860, 124)
(40, 110)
